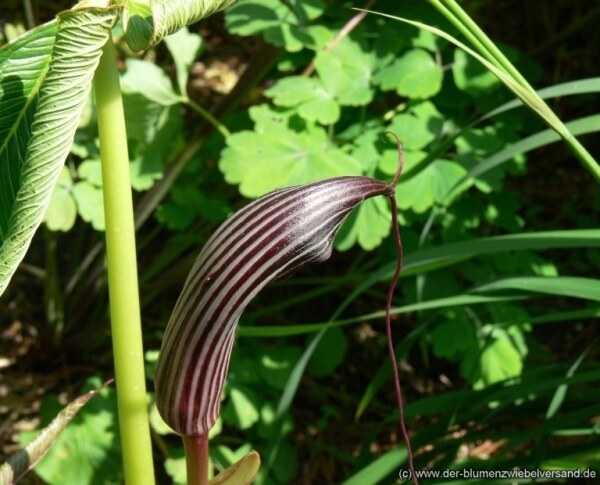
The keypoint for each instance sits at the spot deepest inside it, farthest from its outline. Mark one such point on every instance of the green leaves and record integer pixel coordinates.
(184, 47)
(313, 100)
(272, 156)
(500, 359)
(471, 76)
(414, 75)
(346, 72)
(494, 61)
(41, 109)
(429, 186)
(367, 225)
(88, 194)
(281, 24)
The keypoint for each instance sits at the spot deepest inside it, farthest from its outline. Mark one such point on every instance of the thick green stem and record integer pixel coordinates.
(122, 275)
(196, 459)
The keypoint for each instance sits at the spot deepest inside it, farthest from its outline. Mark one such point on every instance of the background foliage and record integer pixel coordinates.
(496, 308)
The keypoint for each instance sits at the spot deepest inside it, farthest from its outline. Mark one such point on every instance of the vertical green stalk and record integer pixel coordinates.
(122, 274)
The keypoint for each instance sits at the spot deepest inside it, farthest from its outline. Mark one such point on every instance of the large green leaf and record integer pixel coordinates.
(414, 75)
(429, 186)
(284, 24)
(274, 156)
(147, 22)
(314, 101)
(346, 71)
(45, 78)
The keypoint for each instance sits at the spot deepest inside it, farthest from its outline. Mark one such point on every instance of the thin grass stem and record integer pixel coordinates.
(486, 48)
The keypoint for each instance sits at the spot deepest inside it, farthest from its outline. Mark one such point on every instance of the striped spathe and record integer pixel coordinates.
(270, 237)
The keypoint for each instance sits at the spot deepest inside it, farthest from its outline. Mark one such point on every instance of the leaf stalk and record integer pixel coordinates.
(122, 274)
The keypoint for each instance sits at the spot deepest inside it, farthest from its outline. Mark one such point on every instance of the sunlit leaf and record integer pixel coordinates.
(346, 71)
(367, 225)
(429, 186)
(62, 210)
(281, 24)
(414, 133)
(242, 408)
(149, 80)
(41, 108)
(263, 160)
(412, 159)
(414, 75)
(499, 360)
(90, 203)
(309, 95)
(184, 46)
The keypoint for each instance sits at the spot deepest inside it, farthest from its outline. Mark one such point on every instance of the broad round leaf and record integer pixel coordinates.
(346, 71)
(313, 100)
(429, 186)
(284, 24)
(261, 162)
(414, 75)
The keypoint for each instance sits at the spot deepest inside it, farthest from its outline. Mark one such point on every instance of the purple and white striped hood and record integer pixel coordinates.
(270, 237)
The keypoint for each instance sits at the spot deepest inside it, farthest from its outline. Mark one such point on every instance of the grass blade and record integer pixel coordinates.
(572, 286)
(527, 95)
(581, 86)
